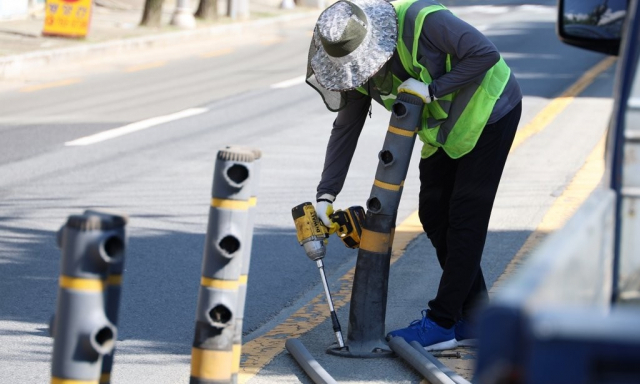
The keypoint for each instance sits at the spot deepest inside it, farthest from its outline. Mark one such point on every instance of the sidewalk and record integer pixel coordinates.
(115, 29)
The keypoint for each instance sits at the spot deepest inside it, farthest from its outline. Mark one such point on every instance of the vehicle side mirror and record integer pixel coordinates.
(596, 25)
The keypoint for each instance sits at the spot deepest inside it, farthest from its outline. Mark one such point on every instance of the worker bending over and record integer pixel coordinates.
(374, 49)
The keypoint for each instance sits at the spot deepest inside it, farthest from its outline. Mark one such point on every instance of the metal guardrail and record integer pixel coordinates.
(554, 316)
(556, 272)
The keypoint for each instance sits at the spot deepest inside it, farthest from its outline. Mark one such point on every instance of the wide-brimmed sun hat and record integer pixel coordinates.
(352, 40)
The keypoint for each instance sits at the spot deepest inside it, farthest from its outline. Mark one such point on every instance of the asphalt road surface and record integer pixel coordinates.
(247, 91)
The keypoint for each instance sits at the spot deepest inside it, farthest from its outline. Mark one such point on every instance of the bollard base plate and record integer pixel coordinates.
(346, 351)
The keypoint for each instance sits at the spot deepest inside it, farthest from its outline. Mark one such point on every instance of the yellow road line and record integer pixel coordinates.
(219, 52)
(556, 106)
(578, 190)
(258, 352)
(61, 83)
(146, 66)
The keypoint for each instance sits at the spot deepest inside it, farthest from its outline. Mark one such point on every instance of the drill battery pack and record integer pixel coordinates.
(351, 221)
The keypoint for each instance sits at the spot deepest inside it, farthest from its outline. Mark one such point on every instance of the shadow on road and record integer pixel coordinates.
(163, 273)
(161, 282)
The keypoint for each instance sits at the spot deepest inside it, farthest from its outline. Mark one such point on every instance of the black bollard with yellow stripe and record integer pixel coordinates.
(367, 312)
(246, 262)
(113, 288)
(212, 355)
(90, 244)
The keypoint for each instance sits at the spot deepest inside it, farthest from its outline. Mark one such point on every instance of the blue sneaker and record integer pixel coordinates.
(465, 334)
(426, 332)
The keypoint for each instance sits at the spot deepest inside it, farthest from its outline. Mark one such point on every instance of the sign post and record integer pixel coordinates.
(67, 18)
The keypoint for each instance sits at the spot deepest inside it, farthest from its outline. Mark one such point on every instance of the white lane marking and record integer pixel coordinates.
(289, 83)
(135, 127)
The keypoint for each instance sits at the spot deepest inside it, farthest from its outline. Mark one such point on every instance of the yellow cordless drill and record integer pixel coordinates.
(313, 235)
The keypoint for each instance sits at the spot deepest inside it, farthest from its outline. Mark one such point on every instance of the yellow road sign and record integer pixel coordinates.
(69, 18)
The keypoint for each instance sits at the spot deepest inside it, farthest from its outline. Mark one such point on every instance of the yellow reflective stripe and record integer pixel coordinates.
(253, 201)
(237, 353)
(391, 187)
(114, 280)
(93, 285)
(230, 204)
(57, 380)
(211, 365)
(402, 132)
(375, 241)
(105, 378)
(243, 279)
(219, 284)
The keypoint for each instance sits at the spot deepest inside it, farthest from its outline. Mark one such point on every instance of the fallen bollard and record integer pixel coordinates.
(369, 294)
(420, 363)
(90, 244)
(446, 370)
(212, 355)
(310, 365)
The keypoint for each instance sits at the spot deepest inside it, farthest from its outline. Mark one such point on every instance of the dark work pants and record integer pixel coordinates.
(456, 198)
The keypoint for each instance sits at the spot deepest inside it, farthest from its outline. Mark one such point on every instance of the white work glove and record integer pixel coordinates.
(417, 88)
(324, 208)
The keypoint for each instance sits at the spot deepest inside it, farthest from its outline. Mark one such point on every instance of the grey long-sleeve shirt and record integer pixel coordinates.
(472, 54)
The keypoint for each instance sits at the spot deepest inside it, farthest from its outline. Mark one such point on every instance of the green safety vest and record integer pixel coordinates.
(455, 121)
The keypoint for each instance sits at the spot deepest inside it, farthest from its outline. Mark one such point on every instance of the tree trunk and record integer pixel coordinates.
(207, 10)
(152, 14)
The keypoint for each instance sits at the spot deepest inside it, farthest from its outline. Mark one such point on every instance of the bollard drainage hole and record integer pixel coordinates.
(238, 173)
(399, 110)
(220, 314)
(229, 244)
(113, 247)
(104, 336)
(386, 157)
(374, 205)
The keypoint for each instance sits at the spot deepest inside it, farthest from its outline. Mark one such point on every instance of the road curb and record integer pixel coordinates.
(15, 65)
